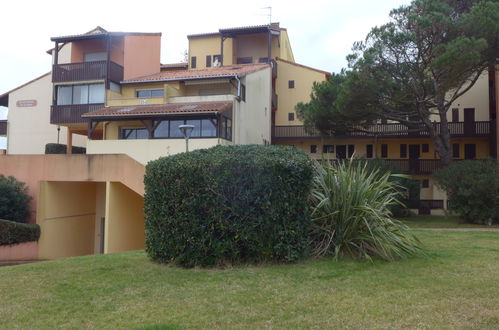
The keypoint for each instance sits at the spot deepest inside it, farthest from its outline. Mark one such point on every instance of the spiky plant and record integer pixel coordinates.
(351, 213)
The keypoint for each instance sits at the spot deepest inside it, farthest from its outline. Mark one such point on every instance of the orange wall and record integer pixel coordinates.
(142, 55)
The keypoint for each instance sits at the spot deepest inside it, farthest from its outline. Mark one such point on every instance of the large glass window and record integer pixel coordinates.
(196, 132)
(80, 94)
(148, 93)
(209, 127)
(175, 130)
(96, 94)
(64, 95)
(162, 131)
(134, 133)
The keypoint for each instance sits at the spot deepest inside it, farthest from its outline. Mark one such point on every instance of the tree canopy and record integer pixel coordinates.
(409, 70)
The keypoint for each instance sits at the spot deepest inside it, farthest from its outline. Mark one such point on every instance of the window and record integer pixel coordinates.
(174, 128)
(134, 133)
(291, 116)
(369, 151)
(328, 148)
(208, 127)
(202, 128)
(455, 150)
(217, 60)
(80, 94)
(93, 57)
(313, 149)
(403, 151)
(149, 93)
(208, 61)
(425, 183)
(455, 115)
(226, 128)
(384, 150)
(425, 147)
(351, 150)
(263, 60)
(162, 130)
(291, 84)
(244, 60)
(115, 87)
(193, 62)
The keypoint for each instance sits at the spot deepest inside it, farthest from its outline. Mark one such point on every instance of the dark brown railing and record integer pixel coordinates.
(396, 130)
(3, 127)
(86, 71)
(70, 114)
(408, 166)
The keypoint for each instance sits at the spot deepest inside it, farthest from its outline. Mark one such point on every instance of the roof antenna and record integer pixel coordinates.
(269, 8)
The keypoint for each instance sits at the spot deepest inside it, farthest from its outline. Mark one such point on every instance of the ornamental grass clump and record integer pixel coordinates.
(352, 217)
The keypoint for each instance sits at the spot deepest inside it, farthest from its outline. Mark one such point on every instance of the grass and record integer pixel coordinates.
(455, 287)
(440, 222)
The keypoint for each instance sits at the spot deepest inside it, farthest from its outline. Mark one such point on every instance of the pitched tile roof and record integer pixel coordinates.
(182, 65)
(136, 111)
(191, 74)
(238, 30)
(97, 33)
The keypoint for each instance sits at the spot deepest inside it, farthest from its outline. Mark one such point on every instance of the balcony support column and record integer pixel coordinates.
(69, 142)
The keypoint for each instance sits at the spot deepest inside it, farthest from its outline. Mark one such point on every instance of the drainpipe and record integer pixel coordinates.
(238, 88)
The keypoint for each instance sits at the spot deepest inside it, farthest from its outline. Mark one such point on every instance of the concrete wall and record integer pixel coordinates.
(29, 128)
(251, 119)
(66, 218)
(144, 151)
(124, 219)
(288, 97)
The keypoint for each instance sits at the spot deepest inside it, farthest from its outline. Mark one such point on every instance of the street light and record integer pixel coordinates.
(186, 132)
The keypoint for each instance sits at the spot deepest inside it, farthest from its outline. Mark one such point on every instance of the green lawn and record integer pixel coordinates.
(423, 221)
(455, 287)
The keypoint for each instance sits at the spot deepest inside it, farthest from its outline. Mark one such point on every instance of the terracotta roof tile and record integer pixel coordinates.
(158, 110)
(190, 74)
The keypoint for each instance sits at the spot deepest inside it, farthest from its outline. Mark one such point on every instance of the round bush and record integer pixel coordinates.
(14, 199)
(228, 204)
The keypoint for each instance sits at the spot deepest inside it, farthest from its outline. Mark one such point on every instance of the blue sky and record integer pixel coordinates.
(321, 31)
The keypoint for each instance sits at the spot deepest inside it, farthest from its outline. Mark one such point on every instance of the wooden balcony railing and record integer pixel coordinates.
(3, 127)
(407, 166)
(71, 114)
(457, 129)
(96, 70)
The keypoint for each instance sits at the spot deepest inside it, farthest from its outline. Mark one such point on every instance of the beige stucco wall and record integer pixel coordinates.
(64, 55)
(251, 119)
(66, 215)
(477, 97)
(285, 52)
(289, 97)
(29, 128)
(209, 45)
(144, 151)
(124, 219)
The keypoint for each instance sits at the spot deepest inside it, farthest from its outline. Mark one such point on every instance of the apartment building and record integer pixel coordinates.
(472, 124)
(110, 89)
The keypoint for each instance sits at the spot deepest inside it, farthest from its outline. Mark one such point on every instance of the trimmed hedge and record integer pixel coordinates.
(227, 205)
(473, 189)
(14, 199)
(14, 232)
(54, 148)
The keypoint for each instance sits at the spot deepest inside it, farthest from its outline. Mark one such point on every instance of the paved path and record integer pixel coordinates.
(461, 229)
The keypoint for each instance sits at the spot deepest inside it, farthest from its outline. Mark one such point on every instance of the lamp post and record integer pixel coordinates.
(186, 132)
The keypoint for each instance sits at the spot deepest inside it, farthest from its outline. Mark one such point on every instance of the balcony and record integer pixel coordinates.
(407, 166)
(391, 130)
(97, 70)
(71, 114)
(3, 127)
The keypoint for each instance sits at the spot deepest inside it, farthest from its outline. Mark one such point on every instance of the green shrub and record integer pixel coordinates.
(14, 232)
(352, 217)
(54, 148)
(228, 204)
(473, 189)
(14, 199)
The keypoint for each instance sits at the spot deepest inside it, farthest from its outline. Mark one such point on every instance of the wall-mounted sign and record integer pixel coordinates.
(26, 103)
